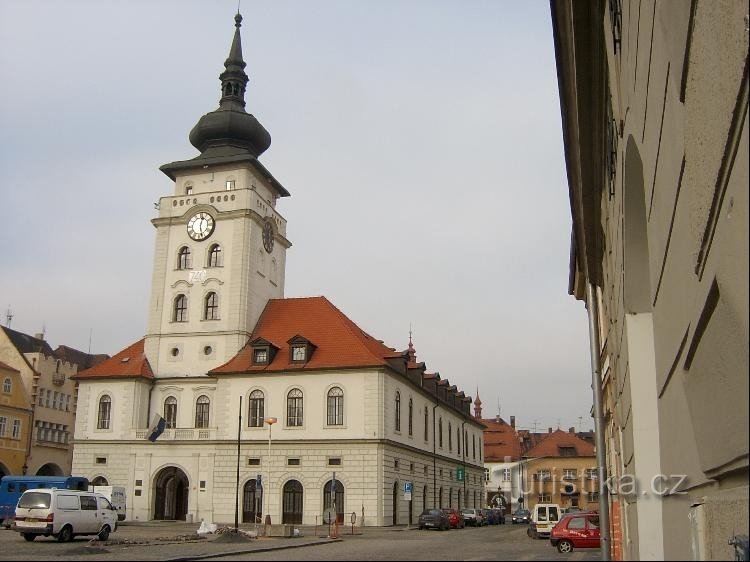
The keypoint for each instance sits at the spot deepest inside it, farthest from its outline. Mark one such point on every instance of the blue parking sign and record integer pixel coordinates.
(407, 487)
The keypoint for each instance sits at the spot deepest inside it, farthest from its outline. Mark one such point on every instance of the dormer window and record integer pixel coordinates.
(299, 353)
(230, 185)
(263, 351)
(260, 357)
(300, 349)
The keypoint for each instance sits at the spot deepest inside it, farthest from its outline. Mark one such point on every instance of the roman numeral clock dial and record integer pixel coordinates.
(200, 226)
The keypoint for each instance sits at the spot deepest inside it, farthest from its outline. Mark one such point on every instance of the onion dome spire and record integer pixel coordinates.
(478, 406)
(230, 127)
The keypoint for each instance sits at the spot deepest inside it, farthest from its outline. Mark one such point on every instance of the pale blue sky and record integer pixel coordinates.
(420, 141)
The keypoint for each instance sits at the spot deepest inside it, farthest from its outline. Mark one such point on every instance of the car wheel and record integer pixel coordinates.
(65, 534)
(104, 533)
(28, 536)
(564, 546)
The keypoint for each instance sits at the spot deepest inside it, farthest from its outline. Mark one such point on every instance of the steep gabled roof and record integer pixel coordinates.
(25, 343)
(551, 444)
(81, 358)
(6, 367)
(501, 442)
(339, 342)
(131, 362)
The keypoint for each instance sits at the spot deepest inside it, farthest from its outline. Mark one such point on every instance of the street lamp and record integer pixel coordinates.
(270, 422)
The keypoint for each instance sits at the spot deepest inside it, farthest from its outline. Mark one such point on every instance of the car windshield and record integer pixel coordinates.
(35, 500)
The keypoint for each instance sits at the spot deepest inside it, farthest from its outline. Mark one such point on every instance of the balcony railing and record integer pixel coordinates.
(180, 434)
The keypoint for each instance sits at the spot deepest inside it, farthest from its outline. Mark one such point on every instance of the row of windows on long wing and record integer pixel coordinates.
(255, 413)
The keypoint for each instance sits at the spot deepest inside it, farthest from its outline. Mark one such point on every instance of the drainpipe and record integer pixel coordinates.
(596, 385)
(434, 457)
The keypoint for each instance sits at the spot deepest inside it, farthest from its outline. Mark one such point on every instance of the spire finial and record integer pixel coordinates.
(238, 18)
(411, 350)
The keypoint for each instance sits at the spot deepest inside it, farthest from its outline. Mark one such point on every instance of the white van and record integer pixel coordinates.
(544, 516)
(116, 496)
(64, 514)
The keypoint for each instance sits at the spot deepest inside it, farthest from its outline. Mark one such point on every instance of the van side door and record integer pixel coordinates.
(89, 515)
(107, 513)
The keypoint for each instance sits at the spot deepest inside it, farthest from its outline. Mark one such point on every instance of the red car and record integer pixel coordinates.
(576, 530)
(455, 517)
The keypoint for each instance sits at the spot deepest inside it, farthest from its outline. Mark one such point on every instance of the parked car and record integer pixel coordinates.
(576, 530)
(455, 518)
(521, 516)
(498, 516)
(63, 514)
(434, 519)
(473, 517)
(544, 516)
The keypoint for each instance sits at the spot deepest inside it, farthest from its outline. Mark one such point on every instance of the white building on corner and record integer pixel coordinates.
(220, 333)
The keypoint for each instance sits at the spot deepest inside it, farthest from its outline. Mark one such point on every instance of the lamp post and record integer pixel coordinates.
(270, 422)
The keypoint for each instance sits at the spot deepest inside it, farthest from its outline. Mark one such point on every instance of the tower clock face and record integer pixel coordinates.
(200, 226)
(268, 237)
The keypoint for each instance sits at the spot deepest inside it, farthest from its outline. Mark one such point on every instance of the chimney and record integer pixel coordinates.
(572, 430)
(513, 422)
(549, 430)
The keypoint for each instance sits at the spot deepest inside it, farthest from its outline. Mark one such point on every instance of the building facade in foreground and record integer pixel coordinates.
(654, 99)
(357, 426)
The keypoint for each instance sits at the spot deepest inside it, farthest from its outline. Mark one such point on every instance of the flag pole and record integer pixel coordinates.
(237, 486)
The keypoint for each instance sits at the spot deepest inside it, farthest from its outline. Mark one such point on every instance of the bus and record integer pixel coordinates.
(11, 488)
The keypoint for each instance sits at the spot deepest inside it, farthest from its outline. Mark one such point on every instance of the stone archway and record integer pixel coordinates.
(99, 481)
(50, 469)
(252, 502)
(171, 487)
(4, 471)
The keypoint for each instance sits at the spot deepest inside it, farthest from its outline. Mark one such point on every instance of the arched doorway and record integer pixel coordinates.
(459, 500)
(339, 491)
(395, 503)
(49, 469)
(252, 502)
(440, 499)
(99, 481)
(424, 498)
(4, 470)
(171, 497)
(292, 503)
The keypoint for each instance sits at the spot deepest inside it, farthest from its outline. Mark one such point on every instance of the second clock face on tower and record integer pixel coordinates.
(200, 226)
(268, 237)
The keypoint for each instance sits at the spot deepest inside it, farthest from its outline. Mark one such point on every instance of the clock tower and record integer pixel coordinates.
(220, 242)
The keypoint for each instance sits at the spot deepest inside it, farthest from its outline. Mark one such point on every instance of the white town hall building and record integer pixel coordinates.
(222, 341)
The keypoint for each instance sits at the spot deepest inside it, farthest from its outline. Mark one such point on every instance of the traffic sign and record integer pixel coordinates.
(408, 487)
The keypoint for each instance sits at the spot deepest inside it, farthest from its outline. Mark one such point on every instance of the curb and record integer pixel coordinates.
(250, 550)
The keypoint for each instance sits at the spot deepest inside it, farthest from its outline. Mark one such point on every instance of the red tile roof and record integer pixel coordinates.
(130, 362)
(501, 441)
(550, 445)
(339, 342)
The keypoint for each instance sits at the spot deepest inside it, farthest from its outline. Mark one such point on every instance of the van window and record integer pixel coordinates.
(67, 502)
(104, 504)
(11, 486)
(541, 514)
(88, 503)
(553, 515)
(35, 500)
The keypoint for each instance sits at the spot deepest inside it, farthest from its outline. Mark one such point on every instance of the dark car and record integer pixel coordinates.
(434, 519)
(455, 518)
(521, 516)
(576, 530)
(499, 516)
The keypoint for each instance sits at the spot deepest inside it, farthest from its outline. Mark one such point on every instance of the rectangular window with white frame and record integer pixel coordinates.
(16, 429)
(506, 475)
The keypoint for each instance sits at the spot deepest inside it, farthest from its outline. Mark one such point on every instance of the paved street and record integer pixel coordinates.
(176, 541)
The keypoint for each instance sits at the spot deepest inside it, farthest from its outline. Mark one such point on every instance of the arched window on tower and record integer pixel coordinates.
(450, 438)
(184, 259)
(426, 423)
(440, 433)
(105, 412)
(202, 411)
(180, 309)
(170, 412)
(211, 311)
(214, 256)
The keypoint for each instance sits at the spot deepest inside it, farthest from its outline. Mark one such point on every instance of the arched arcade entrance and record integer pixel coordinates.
(171, 489)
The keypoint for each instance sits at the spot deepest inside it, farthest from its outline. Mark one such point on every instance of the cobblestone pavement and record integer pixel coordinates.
(178, 541)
